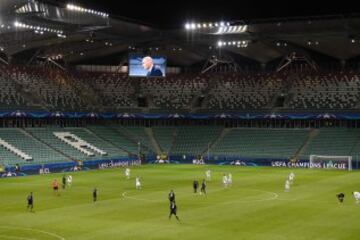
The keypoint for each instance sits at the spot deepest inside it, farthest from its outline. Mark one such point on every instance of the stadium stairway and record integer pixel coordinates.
(173, 141)
(29, 134)
(333, 142)
(135, 138)
(153, 141)
(164, 136)
(223, 133)
(313, 133)
(105, 140)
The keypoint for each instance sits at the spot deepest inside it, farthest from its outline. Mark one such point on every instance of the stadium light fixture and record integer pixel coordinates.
(239, 44)
(75, 8)
(209, 25)
(36, 28)
(61, 35)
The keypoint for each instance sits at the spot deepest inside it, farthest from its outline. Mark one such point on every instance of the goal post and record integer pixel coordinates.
(331, 162)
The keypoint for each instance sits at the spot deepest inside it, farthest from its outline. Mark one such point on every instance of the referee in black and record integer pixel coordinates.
(195, 185)
(340, 197)
(173, 210)
(203, 187)
(94, 194)
(63, 182)
(30, 202)
(171, 196)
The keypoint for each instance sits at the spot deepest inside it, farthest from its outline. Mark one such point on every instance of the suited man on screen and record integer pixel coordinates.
(153, 71)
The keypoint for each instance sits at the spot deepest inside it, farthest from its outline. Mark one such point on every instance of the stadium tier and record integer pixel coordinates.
(43, 146)
(48, 137)
(344, 142)
(194, 140)
(338, 90)
(39, 151)
(261, 143)
(51, 89)
(165, 136)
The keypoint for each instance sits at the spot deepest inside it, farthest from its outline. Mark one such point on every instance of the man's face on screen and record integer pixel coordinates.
(147, 63)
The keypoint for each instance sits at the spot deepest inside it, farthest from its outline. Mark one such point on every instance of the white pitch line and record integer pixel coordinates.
(35, 230)
(140, 199)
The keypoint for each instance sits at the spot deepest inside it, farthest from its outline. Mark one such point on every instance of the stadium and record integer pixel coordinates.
(155, 120)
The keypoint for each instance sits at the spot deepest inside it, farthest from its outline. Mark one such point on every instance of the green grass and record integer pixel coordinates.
(254, 208)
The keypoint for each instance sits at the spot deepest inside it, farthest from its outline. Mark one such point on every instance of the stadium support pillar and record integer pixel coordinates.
(217, 62)
(4, 61)
(33, 57)
(56, 64)
(295, 57)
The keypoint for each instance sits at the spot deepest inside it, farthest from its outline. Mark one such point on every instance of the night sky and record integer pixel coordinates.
(173, 14)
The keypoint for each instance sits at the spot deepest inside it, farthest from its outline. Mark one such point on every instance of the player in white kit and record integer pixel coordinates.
(229, 179)
(137, 183)
(291, 177)
(127, 173)
(69, 180)
(208, 175)
(356, 196)
(225, 180)
(287, 185)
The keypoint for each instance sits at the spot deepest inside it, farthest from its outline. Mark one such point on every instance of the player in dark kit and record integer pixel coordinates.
(63, 182)
(195, 185)
(173, 209)
(30, 202)
(171, 196)
(340, 197)
(203, 187)
(94, 194)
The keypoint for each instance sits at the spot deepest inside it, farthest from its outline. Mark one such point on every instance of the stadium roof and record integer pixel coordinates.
(274, 30)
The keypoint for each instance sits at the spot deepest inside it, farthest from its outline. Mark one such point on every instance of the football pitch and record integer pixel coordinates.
(255, 207)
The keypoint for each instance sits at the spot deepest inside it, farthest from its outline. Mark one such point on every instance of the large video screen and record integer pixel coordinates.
(147, 66)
